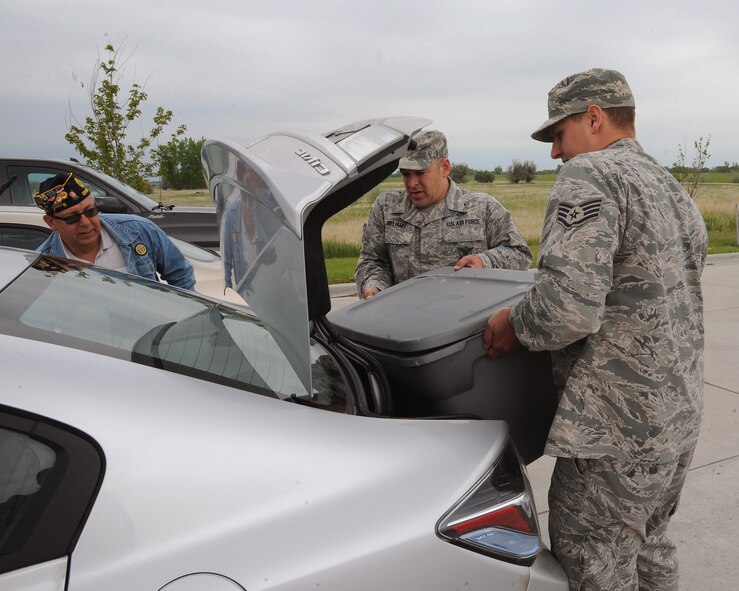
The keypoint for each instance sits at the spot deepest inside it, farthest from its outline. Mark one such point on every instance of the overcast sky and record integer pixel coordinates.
(480, 69)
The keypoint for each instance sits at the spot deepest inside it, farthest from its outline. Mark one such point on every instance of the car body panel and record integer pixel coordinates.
(22, 176)
(206, 466)
(49, 576)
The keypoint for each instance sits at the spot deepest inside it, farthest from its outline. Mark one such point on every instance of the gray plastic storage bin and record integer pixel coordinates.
(427, 334)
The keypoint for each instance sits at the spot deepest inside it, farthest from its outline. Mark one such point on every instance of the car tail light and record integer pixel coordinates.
(497, 517)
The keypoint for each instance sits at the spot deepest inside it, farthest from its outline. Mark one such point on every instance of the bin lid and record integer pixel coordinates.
(431, 310)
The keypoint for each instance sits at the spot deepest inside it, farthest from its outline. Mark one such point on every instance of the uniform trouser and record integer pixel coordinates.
(608, 522)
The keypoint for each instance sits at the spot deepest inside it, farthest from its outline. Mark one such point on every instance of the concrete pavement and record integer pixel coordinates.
(706, 526)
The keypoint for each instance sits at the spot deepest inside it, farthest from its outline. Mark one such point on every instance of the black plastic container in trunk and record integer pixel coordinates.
(427, 334)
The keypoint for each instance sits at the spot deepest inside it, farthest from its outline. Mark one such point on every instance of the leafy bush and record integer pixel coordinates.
(459, 172)
(484, 176)
(521, 171)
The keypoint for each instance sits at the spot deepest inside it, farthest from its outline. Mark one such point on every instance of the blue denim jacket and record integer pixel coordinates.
(146, 249)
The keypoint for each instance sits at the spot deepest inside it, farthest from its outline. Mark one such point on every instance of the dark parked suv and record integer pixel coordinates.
(20, 178)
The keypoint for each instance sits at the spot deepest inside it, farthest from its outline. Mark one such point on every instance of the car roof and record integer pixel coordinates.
(69, 162)
(21, 210)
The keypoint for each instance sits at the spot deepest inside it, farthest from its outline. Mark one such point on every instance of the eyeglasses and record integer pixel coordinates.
(90, 212)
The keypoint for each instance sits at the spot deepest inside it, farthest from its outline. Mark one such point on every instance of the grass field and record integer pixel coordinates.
(342, 233)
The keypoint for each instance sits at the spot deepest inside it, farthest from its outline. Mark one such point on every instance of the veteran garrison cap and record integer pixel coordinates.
(60, 192)
(423, 149)
(574, 94)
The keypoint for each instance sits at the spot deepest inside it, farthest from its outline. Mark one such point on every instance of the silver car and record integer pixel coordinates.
(152, 438)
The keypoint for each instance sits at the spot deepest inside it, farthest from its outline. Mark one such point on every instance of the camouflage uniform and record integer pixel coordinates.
(608, 522)
(617, 299)
(399, 241)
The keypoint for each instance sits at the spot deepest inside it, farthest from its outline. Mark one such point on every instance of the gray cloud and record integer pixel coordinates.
(481, 70)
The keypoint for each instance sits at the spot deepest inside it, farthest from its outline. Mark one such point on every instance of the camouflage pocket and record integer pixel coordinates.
(399, 235)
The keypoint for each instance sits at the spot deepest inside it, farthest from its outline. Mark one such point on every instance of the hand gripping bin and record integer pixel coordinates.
(427, 335)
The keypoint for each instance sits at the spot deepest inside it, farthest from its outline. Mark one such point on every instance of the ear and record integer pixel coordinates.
(49, 221)
(446, 167)
(595, 117)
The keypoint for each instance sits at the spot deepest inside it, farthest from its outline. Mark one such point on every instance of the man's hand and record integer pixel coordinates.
(368, 292)
(499, 337)
(471, 260)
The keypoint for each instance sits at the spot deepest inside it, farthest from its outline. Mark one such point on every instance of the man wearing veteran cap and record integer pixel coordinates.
(127, 243)
(434, 223)
(617, 299)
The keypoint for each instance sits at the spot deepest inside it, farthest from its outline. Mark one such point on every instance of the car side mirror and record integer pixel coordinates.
(110, 204)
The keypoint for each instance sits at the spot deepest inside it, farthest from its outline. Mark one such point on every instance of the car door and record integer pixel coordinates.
(22, 235)
(50, 474)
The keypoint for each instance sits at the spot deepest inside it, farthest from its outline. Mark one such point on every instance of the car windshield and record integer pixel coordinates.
(127, 317)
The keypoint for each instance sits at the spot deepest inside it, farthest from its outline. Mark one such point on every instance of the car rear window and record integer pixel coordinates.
(130, 318)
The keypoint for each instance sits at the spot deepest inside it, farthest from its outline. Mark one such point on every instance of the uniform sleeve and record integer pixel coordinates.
(373, 267)
(172, 265)
(581, 234)
(507, 248)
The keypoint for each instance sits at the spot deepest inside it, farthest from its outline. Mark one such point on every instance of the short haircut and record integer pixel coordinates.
(622, 117)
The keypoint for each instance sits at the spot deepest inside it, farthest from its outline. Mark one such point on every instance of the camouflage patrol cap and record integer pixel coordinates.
(423, 149)
(574, 94)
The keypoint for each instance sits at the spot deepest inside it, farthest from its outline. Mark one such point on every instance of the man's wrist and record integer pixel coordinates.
(514, 318)
(373, 285)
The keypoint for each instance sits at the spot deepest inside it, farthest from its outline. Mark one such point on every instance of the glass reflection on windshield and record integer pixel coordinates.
(133, 318)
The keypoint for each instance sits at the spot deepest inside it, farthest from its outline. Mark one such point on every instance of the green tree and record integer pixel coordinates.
(725, 167)
(459, 172)
(484, 176)
(690, 175)
(179, 164)
(102, 139)
(521, 171)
